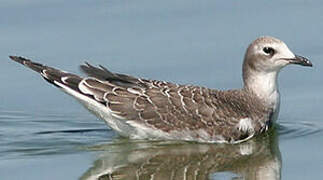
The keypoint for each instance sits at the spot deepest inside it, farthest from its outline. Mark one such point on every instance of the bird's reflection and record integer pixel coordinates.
(255, 159)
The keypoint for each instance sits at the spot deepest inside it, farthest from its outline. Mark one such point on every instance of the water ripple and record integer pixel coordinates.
(73, 131)
(13, 115)
(24, 134)
(292, 130)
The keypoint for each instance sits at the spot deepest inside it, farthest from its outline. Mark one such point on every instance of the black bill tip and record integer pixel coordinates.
(301, 61)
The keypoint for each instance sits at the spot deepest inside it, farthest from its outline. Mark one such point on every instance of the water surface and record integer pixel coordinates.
(45, 134)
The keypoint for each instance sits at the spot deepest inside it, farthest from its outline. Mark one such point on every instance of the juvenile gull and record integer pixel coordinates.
(150, 109)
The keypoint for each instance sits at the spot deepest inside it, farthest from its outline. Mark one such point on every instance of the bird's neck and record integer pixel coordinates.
(264, 85)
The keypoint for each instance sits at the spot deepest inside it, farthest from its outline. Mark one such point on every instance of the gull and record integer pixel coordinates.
(157, 110)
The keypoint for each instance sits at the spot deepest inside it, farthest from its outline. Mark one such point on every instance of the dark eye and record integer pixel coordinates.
(269, 50)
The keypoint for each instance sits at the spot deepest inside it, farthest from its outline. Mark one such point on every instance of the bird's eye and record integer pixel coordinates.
(269, 50)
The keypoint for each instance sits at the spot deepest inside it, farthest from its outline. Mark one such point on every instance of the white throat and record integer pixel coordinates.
(265, 86)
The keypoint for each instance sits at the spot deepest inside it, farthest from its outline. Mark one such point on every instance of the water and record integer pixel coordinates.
(44, 134)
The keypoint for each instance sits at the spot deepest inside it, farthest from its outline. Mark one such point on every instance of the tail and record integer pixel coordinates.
(52, 75)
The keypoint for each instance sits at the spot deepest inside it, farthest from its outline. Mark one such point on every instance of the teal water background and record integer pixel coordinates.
(45, 134)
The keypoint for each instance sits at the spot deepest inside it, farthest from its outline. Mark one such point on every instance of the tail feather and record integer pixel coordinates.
(52, 75)
(68, 81)
(32, 65)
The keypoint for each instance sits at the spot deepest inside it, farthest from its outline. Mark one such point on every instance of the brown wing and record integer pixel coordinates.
(171, 107)
(162, 105)
(167, 106)
(158, 104)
